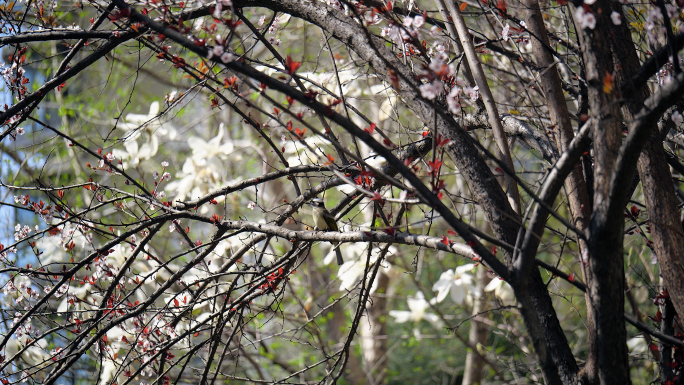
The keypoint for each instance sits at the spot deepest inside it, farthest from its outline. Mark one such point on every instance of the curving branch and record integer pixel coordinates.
(552, 186)
(533, 137)
(57, 34)
(641, 127)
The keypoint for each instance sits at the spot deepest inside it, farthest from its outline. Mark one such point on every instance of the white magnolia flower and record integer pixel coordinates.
(121, 254)
(349, 274)
(136, 153)
(389, 100)
(417, 311)
(354, 84)
(298, 154)
(637, 345)
(502, 290)
(459, 284)
(147, 128)
(207, 149)
(351, 271)
(35, 354)
(109, 370)
(80, 299)
(202, 172)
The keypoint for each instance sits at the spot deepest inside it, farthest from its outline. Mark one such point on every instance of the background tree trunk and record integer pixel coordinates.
(474, 364)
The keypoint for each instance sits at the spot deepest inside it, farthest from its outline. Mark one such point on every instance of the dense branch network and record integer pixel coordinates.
(177, 246)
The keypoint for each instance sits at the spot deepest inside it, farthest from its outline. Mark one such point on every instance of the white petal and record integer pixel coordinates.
(64, 306)
(458, 294)
(441, 284)
(505, 294)
(386, 108)
(447, 275)
(465, 268)
(637, 345)
(467, 280)
(443, 290)
(400, 316)
(348, 274)
(417, 304)
(108, 370)
(154, 109)
(433, 319)
(493, 285)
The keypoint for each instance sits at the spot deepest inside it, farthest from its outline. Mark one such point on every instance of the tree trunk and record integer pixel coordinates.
(474, 364)
(372, 326)
(656, 179)
(605, 242)
(575, 184)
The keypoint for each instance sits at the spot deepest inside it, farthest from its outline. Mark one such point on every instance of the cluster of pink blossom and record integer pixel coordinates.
(106, 161)
(57, 353)
(14, 75)
(272, 29)
(60, 291)
(45, 212)
(220, 51)
(16, 83)
(5, 252)
(404, 36)
(435, 74)
(337, 4)
(221, 6)
(585, 17)
(164, 176)
(413, 24)
(438, 74)
(148, 337)
(506, 32)
(24, 329)
(68, 233)
(274, 25)
(103, 269)
(22, 232)
(665, 74)
(454, 100)
(655, 22)
(20, 291)
(174, 223)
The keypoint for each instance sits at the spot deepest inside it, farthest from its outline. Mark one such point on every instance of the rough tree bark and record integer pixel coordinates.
(654, 172)
(474, 364)
(605, 243)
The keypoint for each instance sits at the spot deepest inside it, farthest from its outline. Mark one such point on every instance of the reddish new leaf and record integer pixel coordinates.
(291, 65)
